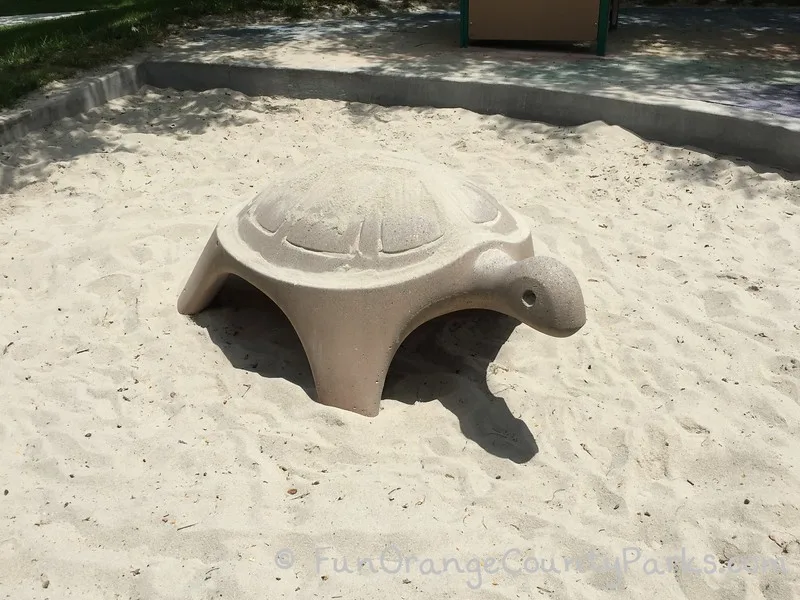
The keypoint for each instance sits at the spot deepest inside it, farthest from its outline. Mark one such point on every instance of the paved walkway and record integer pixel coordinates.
(746, 58)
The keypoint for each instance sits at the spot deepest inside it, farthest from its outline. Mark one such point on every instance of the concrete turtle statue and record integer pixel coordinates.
(359, 250)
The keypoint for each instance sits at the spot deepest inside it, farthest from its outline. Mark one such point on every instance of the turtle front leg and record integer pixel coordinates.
(206, 279)
(350, 339)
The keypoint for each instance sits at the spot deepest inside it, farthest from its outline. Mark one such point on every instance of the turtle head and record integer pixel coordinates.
(545, 294)
(538, 291)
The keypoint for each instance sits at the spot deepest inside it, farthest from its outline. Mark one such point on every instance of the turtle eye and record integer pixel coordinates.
(529, 298)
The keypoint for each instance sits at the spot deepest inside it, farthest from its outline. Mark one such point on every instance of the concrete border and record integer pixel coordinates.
(80, 98)
(763, 138)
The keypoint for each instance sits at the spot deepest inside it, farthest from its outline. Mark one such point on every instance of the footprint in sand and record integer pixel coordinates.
(718, 304)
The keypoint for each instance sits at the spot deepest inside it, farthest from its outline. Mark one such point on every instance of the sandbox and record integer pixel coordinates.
(145, 450)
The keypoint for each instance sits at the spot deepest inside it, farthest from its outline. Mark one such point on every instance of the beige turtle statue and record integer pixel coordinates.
(359, 250)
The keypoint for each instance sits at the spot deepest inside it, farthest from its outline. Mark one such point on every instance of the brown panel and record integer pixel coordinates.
(534, 20)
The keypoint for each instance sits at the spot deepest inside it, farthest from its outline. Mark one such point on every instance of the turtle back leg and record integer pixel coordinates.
(350, 338)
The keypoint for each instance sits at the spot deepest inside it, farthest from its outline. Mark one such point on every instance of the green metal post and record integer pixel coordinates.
(602, 27)
(464, 5)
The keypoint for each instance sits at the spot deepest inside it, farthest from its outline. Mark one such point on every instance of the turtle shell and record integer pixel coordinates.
(368, 211)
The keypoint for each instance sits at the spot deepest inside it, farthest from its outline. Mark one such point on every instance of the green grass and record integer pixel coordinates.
(34, 54)
(30, 7)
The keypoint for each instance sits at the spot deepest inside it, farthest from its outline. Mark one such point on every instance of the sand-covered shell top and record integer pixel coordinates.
(371, 212)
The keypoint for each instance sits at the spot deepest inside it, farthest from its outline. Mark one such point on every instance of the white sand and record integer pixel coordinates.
(141, 463)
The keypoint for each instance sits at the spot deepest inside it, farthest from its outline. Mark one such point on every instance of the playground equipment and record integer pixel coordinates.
(359, 250)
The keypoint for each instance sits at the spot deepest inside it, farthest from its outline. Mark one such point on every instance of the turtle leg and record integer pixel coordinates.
(206, 278)
(349, 345)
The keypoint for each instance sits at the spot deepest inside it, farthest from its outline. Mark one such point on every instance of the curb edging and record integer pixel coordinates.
(754, 136)
(83, 97)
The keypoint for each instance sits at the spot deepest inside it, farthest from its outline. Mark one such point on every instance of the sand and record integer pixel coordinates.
(147, 455)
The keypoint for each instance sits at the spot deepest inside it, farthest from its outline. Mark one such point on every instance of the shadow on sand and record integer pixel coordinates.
(256, 336)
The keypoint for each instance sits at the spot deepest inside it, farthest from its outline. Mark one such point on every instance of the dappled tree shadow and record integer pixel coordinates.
(427, 45)
(748, 66)
(562, 141)
(180, 116)
(742, 57)
(707, 173)
(748, 33)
